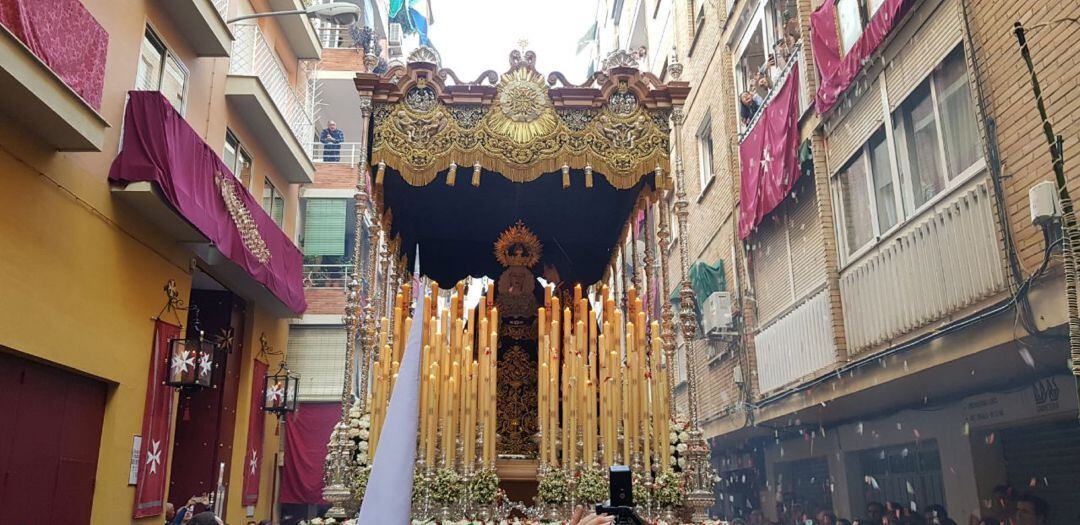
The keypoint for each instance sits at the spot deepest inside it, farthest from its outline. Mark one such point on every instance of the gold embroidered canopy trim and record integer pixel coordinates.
(426, 121)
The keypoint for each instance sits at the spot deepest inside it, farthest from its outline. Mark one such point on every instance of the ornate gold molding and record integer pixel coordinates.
(523, 126)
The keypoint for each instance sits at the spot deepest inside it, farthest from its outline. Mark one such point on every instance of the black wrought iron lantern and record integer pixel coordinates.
(191, 359)
(280, 391)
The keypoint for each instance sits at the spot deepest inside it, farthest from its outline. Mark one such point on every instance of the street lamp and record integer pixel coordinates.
(280, 391)
(339, 13)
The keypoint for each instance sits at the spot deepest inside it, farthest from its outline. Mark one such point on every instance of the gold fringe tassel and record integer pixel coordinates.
(451, 174)
(476, 175)
(588, 176)
(380, 173)
(565, 175)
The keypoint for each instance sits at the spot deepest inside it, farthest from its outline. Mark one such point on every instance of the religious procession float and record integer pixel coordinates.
(541, 210)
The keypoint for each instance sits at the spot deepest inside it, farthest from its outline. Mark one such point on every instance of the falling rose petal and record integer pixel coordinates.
(1026, 356)
(859, 428)
(967, 429)
(915, 431)
(914, 507)
(1033, 483)
(899, 426)
(904, 453)
(910, 488)
(990, 438)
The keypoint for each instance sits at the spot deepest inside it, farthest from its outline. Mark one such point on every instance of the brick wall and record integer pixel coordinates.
(334, 176)
(711, 223)
(325, 301)
(342, 59)
(1007, 92)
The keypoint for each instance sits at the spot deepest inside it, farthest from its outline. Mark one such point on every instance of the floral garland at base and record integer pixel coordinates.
(680, 438)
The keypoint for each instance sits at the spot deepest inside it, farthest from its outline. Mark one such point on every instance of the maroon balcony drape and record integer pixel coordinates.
(66, 37)
(768, 156)
(161, 147)
(306, 438)
(151, 478)
(837, 71)
(253, 458)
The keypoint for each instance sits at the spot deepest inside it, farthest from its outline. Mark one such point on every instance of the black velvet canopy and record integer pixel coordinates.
(457, 226)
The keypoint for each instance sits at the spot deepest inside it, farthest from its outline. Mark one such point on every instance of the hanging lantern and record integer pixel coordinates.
(191, 359)
(280, 391)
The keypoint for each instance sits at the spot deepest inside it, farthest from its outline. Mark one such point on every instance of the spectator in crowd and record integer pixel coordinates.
(1031, 510)
(875, 511)
(749, 104)
(936, 515)
(826, 517)
(758, 518)
(331, 138)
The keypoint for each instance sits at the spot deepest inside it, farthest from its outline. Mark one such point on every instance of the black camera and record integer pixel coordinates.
(621, 494)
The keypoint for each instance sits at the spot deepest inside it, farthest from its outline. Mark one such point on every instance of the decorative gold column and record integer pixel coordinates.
(667, 327)
(336, 490)
(699, 472)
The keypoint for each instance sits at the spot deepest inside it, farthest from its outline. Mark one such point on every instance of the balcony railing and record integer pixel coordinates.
(332, 37)
(326, 275)
(796, 60)
(252, 56)
(222, 7)
(796, 344)
(949, 259)
(344, 153)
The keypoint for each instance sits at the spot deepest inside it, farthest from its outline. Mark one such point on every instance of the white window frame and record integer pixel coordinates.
(757, 22)
(274, 192)
(706, 150)
(906, 210)
(241, 153)
(167, 55)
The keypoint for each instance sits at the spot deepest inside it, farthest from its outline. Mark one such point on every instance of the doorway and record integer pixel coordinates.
(49, 442)
(206, 418)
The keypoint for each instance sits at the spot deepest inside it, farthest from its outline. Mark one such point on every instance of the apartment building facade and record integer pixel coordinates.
(150, 146)
(901, 339)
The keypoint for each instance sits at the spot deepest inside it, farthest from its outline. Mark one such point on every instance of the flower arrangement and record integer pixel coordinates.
(326, 521)
(484, 487)
(419, 486)
(554, 487)
(359, 483)
(446, 487)
(592, 486)
(360, 433)
(642, 491)
(668, 488)
(680, 438)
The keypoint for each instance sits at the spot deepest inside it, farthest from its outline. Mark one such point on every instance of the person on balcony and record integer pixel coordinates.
(749, 104)
(331, 138)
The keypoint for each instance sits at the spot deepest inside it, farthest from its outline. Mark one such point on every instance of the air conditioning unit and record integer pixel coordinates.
(716, 314)
(393, 40)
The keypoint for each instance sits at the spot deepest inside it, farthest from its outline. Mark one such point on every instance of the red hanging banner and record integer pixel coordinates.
(256, 427)
(768, 157)
(157, 423)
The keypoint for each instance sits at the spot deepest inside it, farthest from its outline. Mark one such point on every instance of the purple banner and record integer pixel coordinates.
(836, 71)
(768, 157)
(161, 147)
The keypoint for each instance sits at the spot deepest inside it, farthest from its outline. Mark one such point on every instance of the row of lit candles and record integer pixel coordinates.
(457, 382)
(600, 379)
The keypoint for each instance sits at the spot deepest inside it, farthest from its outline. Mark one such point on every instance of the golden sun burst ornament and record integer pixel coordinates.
(518, 246)
(522, 110)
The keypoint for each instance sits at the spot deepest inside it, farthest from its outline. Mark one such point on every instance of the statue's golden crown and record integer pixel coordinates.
(518, 246)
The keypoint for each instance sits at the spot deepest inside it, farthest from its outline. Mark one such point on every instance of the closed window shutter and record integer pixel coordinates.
(324, 227)
(315, 353)
(807, 256)
(772, 265)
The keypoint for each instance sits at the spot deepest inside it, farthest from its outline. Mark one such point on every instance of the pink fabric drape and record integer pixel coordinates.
(768, 157)
(837, 72)
(306, 437)
(253, 458)
(161, 147)
(66, 37)
(157, 422)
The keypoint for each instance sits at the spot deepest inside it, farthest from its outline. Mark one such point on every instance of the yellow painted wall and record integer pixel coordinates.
(81, 275)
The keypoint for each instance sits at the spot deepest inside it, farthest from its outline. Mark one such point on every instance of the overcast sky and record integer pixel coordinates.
(476, 35)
